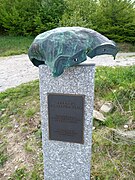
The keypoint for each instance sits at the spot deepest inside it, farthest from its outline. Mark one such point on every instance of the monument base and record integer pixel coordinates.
(67, 112)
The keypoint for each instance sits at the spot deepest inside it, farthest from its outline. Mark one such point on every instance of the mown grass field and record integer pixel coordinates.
(15, 45)
(20, 144)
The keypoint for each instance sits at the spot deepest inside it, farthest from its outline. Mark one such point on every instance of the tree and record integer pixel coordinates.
(79, 13)
(115, 18)
(28, 17)
(17, 16)
(49, 15)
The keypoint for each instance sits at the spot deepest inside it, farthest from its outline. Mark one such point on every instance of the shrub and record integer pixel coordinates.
(17, 17)
(112, 18)
(26, 17)
(49, 15)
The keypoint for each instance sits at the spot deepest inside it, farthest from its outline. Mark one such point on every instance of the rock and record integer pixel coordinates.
(99, 103)
(5, 174)
(11, 116)
(125, 136)
(3, 115)
(126, 126)
(16, 125)
(107, 107)
(16, 167)
(93, 128)
(98, 115)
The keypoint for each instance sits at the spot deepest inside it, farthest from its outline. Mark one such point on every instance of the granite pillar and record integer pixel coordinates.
(67, 160)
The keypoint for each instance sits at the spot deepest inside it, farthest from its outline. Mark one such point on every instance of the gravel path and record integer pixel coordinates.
(15, 70)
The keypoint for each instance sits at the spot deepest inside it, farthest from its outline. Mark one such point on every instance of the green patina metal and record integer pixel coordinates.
(64, 47)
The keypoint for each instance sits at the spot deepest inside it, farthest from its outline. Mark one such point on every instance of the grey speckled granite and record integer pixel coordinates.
(64, 160)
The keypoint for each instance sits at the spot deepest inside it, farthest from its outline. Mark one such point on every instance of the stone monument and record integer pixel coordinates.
(67, 111)
(67, 96)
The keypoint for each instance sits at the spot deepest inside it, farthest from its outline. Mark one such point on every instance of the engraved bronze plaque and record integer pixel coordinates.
(66, 117)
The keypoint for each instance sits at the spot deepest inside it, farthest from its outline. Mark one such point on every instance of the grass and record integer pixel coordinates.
(11, 45)
(3, 154)
(17, 101)
(111, 160)
(126, 47)
(19, 108)
(14, 45)
(19, 174)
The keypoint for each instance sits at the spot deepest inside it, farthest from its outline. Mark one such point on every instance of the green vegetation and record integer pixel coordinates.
(19, 107)
(3, 154)
(30, 112)
(126, 47)
(16, 101)
(28, 17)
(113, 18)
(80, 13)
(19, 174)
(117, 85)
(49, 15)
(18, 19)
(20, 129)
(11, 45)
(111, 158)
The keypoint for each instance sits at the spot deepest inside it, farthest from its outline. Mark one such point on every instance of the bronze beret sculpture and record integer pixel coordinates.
(64, 47)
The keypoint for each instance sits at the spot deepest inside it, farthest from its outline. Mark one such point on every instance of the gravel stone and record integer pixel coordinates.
(15, 70)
